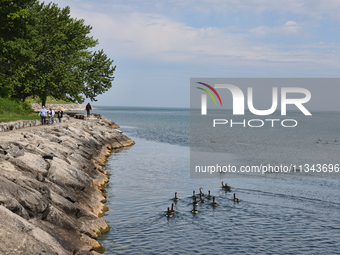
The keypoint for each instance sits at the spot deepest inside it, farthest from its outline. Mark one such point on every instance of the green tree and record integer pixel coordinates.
(59, 62)
(14, 42)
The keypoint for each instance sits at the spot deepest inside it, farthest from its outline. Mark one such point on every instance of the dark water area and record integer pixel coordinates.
(274, 216)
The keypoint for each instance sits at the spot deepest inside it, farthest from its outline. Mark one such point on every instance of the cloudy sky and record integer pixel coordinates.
(159, 45)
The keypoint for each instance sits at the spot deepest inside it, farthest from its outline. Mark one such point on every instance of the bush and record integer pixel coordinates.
(15, 107)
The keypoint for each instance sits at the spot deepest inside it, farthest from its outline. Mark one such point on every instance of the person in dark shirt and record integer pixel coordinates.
(60, 115)
(88, 109)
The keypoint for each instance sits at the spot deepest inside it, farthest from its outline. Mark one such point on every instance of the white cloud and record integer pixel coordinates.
(158, 38)
(290, 27)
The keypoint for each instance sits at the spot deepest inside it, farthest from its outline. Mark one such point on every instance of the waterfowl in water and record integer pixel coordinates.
(168, 213)
(209, 197)
(194, 210)
(175, 198)
(223, 186)
(195, 202)
(236, 199)
(201, 200)
(193, 194)
(201, 193)
(213, 202)
(227, 188)
(335, 141)
(172, 208)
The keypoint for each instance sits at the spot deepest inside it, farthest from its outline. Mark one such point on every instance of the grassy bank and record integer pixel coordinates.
(12, 110)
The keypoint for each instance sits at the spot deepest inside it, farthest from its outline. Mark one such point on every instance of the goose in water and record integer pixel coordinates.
(236, 199)
(195, 202)
(201, 193)
(172, 208)
(223, 186)
(213, 202)
(209, 197)
(175, 198)
(201, 200)
(193, 194)
(168, 213)
(227, 188)
(194, 210)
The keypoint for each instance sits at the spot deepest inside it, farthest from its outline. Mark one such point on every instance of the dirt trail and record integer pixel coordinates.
(8, 135)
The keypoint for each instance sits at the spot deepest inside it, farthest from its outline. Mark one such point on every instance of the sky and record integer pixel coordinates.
(158, 46)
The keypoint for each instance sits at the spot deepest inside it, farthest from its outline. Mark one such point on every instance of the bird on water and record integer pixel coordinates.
(236, 199)
(175, 198)
(168, 213)
(213, 202)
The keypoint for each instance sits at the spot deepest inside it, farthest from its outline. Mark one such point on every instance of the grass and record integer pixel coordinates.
(12, 110)
(49, 100)
(13, 117)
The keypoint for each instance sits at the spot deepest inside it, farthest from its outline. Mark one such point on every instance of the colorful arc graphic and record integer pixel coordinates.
(208, 94)
(213, 90)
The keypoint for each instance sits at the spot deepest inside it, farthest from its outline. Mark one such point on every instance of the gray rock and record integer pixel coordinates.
(50, 196)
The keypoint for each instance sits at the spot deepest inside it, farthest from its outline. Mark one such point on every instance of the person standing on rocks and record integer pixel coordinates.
(51, 115)
(88, 109)
(60, 115)
(42, 114)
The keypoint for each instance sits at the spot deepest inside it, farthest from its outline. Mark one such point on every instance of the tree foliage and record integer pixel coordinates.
(46, 53)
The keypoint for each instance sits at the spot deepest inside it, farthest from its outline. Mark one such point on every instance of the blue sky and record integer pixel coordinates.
(159, 45)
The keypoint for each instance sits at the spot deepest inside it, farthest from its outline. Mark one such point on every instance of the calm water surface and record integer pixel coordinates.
(275, 215)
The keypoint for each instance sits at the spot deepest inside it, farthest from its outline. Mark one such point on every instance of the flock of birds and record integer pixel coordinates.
(319, 140)
(225, 187)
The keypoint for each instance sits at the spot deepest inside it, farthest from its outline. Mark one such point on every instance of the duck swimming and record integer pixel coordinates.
(201, 200)
(175, 198)
(194, 210)
(193, 194)
(213, 202)
(236, 199)
(223, 186)
(201, 193)
(227, 188)
(172, 208)
(195, 202)
(209, 197)
(168, 213)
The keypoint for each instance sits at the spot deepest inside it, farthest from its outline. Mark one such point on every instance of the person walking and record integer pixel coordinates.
(60, 115)
(51, 114)
(42, 114)
(88, 109)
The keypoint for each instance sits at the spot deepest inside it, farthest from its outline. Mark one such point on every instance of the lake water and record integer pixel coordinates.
(275, 215)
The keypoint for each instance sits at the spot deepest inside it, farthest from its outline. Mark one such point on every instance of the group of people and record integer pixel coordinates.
(43, 114)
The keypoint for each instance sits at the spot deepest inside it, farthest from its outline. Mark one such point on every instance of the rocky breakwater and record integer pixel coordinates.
(64, 107)
(51, 187)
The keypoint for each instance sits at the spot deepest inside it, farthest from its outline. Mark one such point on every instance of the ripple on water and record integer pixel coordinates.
(273, 217)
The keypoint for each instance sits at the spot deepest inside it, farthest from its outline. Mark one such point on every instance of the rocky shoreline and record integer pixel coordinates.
(51, 192)
(64, 107)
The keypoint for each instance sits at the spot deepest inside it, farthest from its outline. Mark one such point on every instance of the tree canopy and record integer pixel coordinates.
(44, 52)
